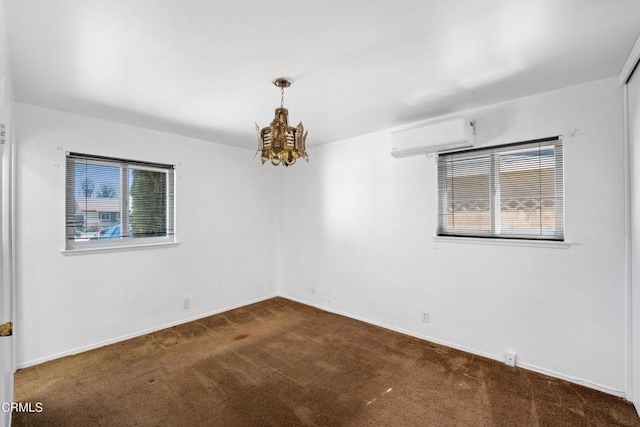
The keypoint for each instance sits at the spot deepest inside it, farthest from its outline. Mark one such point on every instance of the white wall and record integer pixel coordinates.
(225, 208)
(358, 225)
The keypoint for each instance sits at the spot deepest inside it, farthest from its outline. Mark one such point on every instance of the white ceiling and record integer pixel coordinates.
(203, 68)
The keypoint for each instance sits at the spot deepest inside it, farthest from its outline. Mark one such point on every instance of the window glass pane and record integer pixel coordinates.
(97, 201)
(467, 197)
(148, 202)
(527, 192)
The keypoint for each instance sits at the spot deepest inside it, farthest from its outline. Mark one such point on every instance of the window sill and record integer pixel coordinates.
(504, 242)
(106, 249)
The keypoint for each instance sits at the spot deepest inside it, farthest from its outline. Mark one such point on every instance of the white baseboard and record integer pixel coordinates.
(499, 358)
(139, 333)
(580, 381)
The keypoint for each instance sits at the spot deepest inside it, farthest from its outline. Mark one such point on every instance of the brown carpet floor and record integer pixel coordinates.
(280, 363)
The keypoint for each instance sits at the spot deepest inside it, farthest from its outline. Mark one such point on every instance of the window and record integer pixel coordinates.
(508, 191)
(114, 202)
(109, 216)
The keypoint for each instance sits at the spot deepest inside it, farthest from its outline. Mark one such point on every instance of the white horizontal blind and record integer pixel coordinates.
(115, 200)
(508, 191)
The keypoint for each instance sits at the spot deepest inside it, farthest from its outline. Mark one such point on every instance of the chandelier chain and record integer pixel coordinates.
(282, 97)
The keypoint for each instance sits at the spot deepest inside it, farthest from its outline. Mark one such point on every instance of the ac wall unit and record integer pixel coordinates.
(433, 138)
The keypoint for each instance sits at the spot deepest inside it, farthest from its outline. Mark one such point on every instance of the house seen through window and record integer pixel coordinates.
(115, 201)
(508, 191)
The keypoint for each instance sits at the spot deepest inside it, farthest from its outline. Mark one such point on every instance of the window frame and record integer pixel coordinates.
(493, 154)
(124, 242)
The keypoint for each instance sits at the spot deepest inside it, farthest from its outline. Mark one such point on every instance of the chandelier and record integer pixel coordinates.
(280, 143)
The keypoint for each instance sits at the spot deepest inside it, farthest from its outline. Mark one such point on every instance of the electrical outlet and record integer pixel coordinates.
(186, 303)
(313, 290)
(425, 316)
(510, 358)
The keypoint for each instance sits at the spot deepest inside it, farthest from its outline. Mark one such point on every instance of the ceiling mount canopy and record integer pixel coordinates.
(280, 143)
(282, 82)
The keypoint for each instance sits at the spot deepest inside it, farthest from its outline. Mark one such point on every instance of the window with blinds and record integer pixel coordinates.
(511, 191)
(113, 202)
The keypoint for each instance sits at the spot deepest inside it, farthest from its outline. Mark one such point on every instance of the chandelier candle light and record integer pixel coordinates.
(280, 143)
